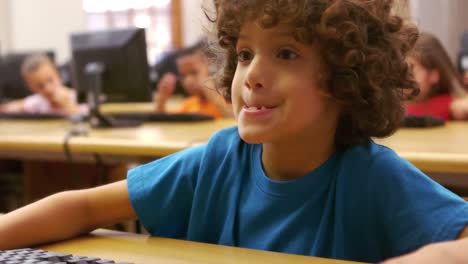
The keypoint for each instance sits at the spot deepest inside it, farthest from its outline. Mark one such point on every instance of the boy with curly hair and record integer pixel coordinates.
(310, 83)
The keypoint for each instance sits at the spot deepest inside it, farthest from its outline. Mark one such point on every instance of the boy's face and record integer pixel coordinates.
(194, 71)
(276, 94)
(44, 81)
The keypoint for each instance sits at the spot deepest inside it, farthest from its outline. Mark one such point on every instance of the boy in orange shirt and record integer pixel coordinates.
(196, 81)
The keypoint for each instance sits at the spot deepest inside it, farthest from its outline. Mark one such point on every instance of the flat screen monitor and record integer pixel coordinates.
(463, 61)
(123, 57)
(12, 85)
(463, 54)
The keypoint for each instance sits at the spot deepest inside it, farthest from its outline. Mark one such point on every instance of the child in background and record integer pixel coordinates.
(465, 78)
(438, 79)
(50, 95)
(310, 83)
(463, 58)
(204, 99)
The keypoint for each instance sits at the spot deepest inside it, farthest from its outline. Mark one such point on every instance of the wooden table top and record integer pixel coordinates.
(141, 249)
(150, 139)
(439, 149)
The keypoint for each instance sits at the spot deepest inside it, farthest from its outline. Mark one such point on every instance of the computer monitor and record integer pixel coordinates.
(12, 85)
(463, 54)
(110, 66)
(123, 57)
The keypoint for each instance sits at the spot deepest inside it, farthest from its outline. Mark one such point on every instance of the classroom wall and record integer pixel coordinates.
(45, 24)
(4, 26)
(32, 25)
(445, 19)
(193, 21)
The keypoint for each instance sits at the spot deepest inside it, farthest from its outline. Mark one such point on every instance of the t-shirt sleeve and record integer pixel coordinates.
(35, 104)
(161, 192)
(413, 210)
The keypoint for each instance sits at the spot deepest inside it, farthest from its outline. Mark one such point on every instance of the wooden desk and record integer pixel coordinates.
(440, 149)
(25, 139)
(172, 105)
(141, 249)
(40, 146)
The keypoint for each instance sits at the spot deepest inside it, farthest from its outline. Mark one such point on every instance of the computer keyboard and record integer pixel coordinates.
(30, 116)
(422, 121)
(162, 117)
(39, 256)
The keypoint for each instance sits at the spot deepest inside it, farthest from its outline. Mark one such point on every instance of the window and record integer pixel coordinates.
(160, 18)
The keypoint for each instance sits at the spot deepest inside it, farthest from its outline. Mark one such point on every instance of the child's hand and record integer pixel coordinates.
(459, 108)
(453, 252)
(63, 100)
(165, 89)
(166, 86)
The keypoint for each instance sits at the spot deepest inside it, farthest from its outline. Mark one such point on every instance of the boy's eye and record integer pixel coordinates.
(244, 55)
(287, 54)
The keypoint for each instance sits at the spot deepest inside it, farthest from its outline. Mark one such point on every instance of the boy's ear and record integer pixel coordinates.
(434, 76)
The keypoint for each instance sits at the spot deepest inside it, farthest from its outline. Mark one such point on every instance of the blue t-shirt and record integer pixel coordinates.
(364, 203)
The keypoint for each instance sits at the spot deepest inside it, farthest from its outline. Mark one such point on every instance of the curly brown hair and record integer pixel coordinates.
(363, 45)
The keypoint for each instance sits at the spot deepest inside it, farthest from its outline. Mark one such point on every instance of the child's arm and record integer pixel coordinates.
(15, 106)
(64, 99)
(459, 108)
(453, 252)
(165, 89)
(65, 215)
(217, 99)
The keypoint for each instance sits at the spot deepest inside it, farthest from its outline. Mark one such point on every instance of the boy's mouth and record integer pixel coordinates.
(257, 110)
(253, 108)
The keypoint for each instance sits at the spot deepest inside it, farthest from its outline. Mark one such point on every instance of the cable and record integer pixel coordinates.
(102, 176)
(73, 132)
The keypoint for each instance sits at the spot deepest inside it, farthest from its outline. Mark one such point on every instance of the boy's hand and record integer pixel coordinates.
(167, 85)
(453, 252)
(165, 89)
(63, 100)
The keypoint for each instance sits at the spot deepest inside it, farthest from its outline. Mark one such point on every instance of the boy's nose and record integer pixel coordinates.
(256, 74)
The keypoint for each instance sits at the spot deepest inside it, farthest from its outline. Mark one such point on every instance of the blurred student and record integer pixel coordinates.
(465, 78)
(49, 94)
(439, 82)
(204, 99)
(463, 58)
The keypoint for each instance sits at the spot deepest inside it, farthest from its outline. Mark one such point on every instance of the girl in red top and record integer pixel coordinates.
(438, 80)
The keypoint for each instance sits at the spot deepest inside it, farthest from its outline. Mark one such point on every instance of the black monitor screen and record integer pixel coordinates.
(463, 54)
(123, 55)
(463, 63)
(12, 85)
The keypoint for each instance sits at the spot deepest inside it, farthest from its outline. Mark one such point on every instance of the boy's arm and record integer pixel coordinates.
(217, 99)
(164, 90)
(453, 252)
(15, 106)
(65, 215)
(64, 99)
